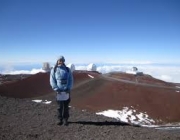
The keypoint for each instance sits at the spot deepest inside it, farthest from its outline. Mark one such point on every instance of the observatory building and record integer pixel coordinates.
(71, 67)
(91, 67)
(135, 71)
(46, 67)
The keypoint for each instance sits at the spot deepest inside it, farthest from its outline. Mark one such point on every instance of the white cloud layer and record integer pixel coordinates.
(169, 73)
(165, 73)
(33, 71)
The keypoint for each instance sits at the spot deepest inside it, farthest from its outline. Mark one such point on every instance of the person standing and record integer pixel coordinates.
(61, 81)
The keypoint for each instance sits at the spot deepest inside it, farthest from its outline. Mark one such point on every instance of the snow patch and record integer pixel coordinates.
(132, 117)
(46, 102)
(129, 116)
(41, 101)
(90, 76)
(37, 101)
(169, 128)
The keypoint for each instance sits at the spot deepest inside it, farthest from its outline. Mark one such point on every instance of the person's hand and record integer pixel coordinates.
(59, 91)
(66, 89)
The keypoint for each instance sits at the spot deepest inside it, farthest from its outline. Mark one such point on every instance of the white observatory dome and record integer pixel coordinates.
(91, 67)
(71, 67)
(134, 69)
(46, 67)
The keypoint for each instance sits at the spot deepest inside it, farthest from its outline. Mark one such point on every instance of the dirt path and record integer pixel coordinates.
(107, 76)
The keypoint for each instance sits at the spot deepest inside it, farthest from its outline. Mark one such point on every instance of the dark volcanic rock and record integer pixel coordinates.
(24, 119)
(8, 78)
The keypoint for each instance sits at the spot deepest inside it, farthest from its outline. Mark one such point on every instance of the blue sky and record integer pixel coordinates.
(86, 31)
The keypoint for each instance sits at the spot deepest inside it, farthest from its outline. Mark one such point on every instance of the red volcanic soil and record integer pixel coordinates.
(81, 76)
(143, 78)
(23, 119)
(32, 86)
(102, 92)
(158, 98)
(27, 86)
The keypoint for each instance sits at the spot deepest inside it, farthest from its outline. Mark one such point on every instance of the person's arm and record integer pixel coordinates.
(70, 80)
(53, 81)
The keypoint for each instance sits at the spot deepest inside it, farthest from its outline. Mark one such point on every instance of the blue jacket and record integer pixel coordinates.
(61, 79)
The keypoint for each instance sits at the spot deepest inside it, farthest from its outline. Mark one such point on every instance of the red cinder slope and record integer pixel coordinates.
(33, 86)
(102, 93)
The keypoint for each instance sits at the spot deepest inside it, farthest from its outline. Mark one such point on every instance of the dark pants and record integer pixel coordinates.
(63, 109)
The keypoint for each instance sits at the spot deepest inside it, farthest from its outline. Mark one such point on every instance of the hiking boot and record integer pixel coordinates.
(60, 122)
(65, 122)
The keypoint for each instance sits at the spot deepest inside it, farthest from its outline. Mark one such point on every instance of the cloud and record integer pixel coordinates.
(165, 77)
(13, 72)
(169, 73)
(130, 62)
(163, 72)
(83, 67)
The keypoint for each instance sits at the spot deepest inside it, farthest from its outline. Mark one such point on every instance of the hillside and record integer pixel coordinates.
(92, 93)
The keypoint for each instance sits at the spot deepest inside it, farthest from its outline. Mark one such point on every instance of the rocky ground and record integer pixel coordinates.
(23, 119)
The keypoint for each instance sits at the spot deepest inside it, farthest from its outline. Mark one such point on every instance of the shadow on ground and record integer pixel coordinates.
(106, 123)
